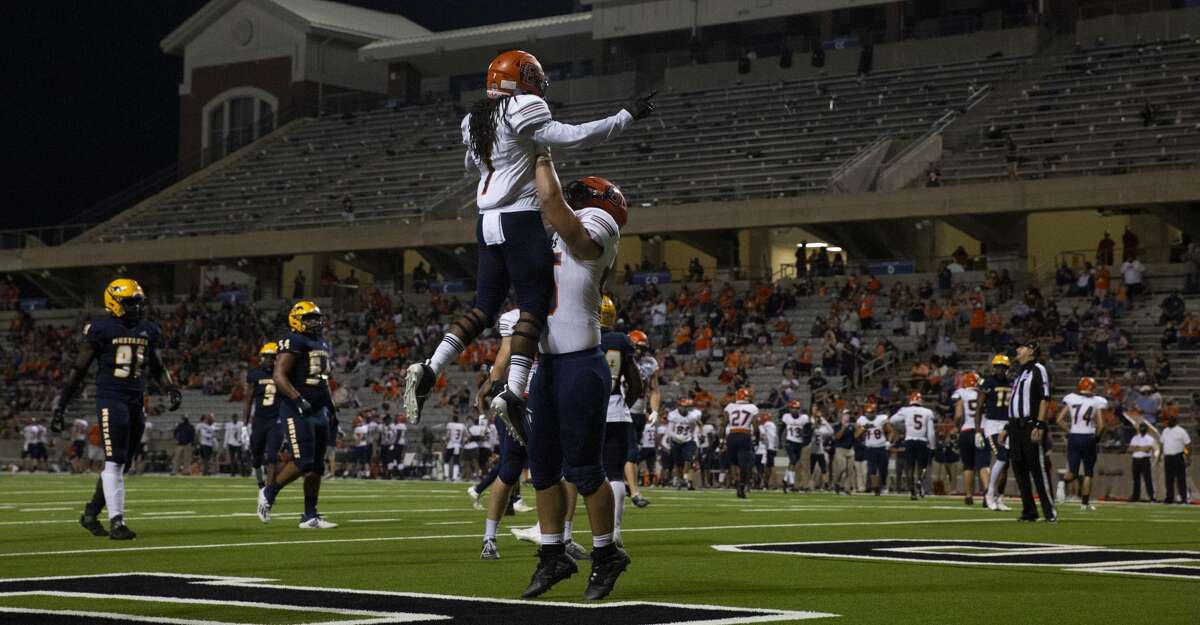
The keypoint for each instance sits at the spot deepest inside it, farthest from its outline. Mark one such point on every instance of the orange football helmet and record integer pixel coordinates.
(686, 402)
(794, 404)
(914, 398)
(600, 193)
(639, 339)
(744, 394)
(1086, 385)
(970, 379)
(516, 72)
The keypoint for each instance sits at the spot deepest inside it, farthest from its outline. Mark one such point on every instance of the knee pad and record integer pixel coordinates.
(471, 325)
(587, 479)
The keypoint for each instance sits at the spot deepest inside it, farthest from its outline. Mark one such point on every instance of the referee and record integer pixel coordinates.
(1027, 419)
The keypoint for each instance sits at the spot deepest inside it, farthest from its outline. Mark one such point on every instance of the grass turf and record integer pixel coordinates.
(424, 537)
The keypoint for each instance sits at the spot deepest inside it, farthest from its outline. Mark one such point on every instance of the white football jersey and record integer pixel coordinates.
(683, 426)
(456, 434)
(874, 434)
(477, 434)
(822, 432)
(1084, 410)
(207, 435)
(574, 323)
(360, 435)
(740, 416)
(970, 400)
(647, 367)
(233, 434)
(29, 435)
(523, 123)
(793, 427)
(769, 434)
(79, 430)
(401, 433)
(389, 434)
(648, 437)
(918, 423)
(663, 440)
(245, 433)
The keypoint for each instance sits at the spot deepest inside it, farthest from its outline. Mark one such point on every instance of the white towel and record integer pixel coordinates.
(493, 232)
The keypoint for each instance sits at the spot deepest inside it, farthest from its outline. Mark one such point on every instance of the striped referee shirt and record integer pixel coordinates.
(1030, 388)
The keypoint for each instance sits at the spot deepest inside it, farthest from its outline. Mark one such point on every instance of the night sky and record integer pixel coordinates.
(94, 107)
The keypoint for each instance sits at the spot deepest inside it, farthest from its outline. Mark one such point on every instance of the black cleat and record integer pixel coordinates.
(969, 500)
(605, 571)
(741, 491)
(640, 501)
(417, 384)
(117, 530)
(510, 408)
(1027, 519)
(552, 568)
(89, 523)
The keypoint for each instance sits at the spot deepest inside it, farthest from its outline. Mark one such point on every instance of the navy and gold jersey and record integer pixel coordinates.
(618, 350)
(266, 408)
(996, 395)
(123, 354)
(310, 371)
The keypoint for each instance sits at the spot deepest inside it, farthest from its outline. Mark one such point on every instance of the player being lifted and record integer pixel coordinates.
(301, 375)
(262, 408)
(1084, 409)
(501, 133)
(647, 366)
(996, 394)
(918, 434)
(741, 417)
(124, 344)
(619, 435)
(971, 448)
(568, 398)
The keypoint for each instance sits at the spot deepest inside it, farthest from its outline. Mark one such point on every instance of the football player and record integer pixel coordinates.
(301, 375)
(568, 398)
(125, 345)
(741, 417)
(875, 429)
(996, 393)
(502, 133)
(266, 428)
(768, 433)
(649, 398)
(619, 434)
(974, 458)
(818, 455)
(918, 438)
(681, 424)
(794, 422)
(456, 436)
(1085, 410)
(647, 454)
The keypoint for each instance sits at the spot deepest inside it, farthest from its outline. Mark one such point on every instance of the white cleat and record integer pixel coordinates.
(317, 523)
(521, 506)
(527, 534)
(1087, 507)
(474, 498)
(990, 502)
(1000, 505)
(264, 508)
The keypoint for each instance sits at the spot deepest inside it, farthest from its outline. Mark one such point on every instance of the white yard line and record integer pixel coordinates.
(43, 509)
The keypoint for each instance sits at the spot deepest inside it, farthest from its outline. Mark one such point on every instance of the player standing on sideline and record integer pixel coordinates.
(875, 429)
(966, 413)
(619, 436)
(456, 436)
(681, 423)
(301, 375)
(650, 398)
(741, 417)
(794, 421)
(233, 446)
(568, 398)
(124, 344)
(996, 397)
(502, 133)
(79, 432)
(918, 434)
(1027, 421)
(768, 432)
(1085, 410)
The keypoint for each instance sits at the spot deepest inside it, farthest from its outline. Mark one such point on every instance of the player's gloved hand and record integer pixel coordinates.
(175, 397)
(978, 440)
(58, 420)
(643, 106)
(305, 407)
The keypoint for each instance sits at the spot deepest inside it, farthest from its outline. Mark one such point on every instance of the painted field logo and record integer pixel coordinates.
(1178, 564)
(347, 606)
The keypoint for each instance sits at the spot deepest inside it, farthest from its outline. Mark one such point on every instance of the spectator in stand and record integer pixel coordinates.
(1064, 279)
(978, 325)
(1173, 308)
(916, 322)
(1105, 250)
(1189, 332)
(947, 351)
(1132, 272)
(1129, 245)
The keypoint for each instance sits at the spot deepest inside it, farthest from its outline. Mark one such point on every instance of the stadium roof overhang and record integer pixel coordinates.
(490, 36)
(321, 17)
(1147, 190)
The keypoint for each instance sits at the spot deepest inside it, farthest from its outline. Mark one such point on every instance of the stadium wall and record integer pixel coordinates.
(1151, 26)
(1012, 42)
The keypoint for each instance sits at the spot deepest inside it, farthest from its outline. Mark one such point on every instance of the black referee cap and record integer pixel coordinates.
(1033, 345)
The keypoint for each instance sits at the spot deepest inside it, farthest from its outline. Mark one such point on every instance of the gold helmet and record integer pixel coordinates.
(608, 312)
(1000, 360)
(305, 316)
(270, 348)
(124, 298)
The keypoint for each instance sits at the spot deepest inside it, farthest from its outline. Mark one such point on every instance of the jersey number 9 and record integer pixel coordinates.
(128, 362)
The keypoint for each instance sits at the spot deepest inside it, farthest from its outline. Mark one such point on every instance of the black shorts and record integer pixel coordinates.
(266, 437)
(513, 456)
(635, 435)
(121, 425)
(916, 452)
(524, 261)
(973, 458)
(77, 447)
(817, 458)
(37, 451)
(996, 449)
(567, 413)
(307, 437)
(877, 462)
(740, 450)
(362, 454)
(206, 452)
(616, 449)
(452, 455)
(682, 454)
(1081, 448)
(794, 450)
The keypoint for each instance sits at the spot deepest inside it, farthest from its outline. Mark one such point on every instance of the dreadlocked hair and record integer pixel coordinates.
(485, 113)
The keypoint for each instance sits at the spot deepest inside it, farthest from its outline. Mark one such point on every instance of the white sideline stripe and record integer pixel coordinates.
(451, 523)
(375, 520)
(167, 513)
(248, 495)
(381, 539)
(233, 515)
(119, 618)
(42, 509)
(206, 601)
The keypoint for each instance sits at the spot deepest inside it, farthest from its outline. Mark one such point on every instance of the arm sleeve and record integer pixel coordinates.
(557, 134)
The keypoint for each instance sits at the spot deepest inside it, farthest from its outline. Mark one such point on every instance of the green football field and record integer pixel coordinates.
(409, 552)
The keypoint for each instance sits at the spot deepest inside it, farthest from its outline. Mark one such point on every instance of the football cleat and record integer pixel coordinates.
(490, 552)
(552, 568)
(117, 530)
(1087, 507)
(640, 501)
(576, 552)
(1027, 519)
(89, 523)
(510, 408)
(417, 385)
(474, 498)
(527, 534)
(1051, 519)
(989, 502)
(969, 500)
(605, 571)
(520, 506)
(264, 506)
(316, 523)
(1001, 506)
